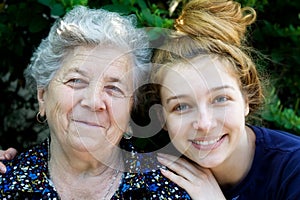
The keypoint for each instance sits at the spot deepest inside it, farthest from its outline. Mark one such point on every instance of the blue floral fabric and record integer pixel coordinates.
(27, 177)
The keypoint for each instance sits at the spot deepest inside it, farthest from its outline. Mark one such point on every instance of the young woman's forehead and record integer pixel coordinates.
(203, 74)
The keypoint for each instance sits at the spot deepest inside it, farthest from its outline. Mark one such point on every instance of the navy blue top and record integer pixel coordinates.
(275, 172)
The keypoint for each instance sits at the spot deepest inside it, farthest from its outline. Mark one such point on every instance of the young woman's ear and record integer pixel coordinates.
(246, 109)
(40, 97)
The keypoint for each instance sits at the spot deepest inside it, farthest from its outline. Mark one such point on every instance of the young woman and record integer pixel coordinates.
(209, 87)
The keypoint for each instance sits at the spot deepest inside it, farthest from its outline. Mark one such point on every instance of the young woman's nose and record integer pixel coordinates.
(204, 120)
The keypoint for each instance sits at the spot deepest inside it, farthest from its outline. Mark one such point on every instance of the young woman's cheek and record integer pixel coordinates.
(233, 118)
(179, 125)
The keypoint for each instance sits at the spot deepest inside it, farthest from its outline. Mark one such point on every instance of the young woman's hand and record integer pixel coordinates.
(199, 183)
(8, 154)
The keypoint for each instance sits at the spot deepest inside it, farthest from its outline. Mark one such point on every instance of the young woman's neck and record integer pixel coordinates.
(236, 168)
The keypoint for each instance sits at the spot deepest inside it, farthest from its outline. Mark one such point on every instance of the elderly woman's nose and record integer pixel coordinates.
(95, 99)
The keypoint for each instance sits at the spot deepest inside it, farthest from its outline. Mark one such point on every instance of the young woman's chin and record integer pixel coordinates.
(209, 156)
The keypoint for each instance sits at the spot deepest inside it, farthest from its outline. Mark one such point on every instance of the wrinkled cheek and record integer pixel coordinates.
(121, 121)
(56, 118)
(114, 134)
(120, 115)
(119, 118)
(114, 138)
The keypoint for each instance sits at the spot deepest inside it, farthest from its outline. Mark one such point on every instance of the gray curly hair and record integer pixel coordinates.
(84, 26)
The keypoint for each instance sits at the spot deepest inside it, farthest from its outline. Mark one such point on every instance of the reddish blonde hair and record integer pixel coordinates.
(215, 27)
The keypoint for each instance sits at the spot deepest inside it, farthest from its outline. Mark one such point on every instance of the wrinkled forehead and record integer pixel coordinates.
(102, 57)
(98, 63)
(106, 54)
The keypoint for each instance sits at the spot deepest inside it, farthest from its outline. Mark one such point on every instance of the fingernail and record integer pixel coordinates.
(2, 169)
(162, 170)
(7, 156)
(161, 154)
(161, 160)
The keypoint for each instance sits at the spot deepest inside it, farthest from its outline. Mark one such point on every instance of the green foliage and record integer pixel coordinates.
(256, 4)
(282, 118)
(22, 26)
(148, 15)
(24, 23)
(279, 38)
(59, 7)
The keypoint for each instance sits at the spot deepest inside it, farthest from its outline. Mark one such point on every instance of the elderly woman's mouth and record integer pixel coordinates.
(89, 123)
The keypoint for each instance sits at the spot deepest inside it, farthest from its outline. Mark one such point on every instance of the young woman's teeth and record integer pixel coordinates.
(205, 142)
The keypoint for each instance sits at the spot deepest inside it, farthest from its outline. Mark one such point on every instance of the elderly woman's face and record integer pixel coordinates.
(88, 102)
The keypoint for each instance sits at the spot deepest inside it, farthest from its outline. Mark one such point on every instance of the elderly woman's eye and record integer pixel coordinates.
(76, 83)
(114, 91)
(75, 80)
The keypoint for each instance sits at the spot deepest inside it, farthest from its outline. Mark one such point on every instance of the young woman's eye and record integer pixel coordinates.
(220, 99)
(114, 90)
(181, 107)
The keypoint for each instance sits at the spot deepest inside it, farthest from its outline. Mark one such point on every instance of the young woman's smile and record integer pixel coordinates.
(206, 144)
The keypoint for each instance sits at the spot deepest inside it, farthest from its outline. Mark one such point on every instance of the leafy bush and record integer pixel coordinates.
(24, 23)
(280, 116)
(277, 34)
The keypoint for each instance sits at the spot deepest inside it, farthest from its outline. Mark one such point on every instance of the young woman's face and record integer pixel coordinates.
(204, 111)
(88, 101)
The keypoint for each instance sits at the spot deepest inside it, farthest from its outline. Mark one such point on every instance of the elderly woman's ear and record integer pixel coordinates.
(40, 97)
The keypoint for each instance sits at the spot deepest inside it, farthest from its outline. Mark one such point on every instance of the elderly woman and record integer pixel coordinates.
(85, 72)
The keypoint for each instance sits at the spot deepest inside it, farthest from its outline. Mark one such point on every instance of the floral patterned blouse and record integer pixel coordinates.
(27, 177)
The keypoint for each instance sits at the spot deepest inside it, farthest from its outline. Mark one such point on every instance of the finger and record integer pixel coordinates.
(2, 155)
(2, 168)
(178, 168)
(185, 163)
(179, 180)
(10, 153)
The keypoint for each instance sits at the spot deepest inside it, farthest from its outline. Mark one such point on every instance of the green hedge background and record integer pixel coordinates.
(24, 23)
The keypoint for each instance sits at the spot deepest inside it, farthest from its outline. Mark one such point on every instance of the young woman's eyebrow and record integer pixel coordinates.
(211, 90)
(174, 98)
(221, 88)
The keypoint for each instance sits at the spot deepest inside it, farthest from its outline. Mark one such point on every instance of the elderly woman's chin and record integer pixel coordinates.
(84, 137)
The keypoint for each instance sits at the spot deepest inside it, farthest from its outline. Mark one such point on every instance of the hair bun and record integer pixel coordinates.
(217, 19)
